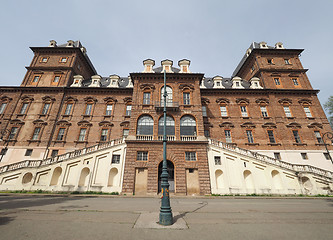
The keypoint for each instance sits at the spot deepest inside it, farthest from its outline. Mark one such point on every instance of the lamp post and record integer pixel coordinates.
(3, 132)
(166, 218)
(330, 137)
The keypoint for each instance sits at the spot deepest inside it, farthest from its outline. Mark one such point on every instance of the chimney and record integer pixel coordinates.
(184, 65)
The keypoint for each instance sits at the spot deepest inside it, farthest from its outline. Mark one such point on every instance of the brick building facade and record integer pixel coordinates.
(267, 106)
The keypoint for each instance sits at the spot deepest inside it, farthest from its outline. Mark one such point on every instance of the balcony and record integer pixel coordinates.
(144, 137)
(171, 106)
(188, 138)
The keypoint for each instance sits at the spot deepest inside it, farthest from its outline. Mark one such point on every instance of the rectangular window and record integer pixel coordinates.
(45, 109)
(204, 111)
(206, 133)
(35, 136)
(224, 112)
(35, 79)
(13, 133)
(63, 59)
(61, 134)
(277, 156)
(304, 156)
(68, 109)
(115, 158)
(142, 156)
(88, 109)
(318, 137)
(54, 153)
(271, 136)
(287, 111)
(244, 111)
(28, 152)
(307, 112)
(2, 108)
(24, 108)
(108, 111)
(296, 136)
(249, 136)
(277, 81)
(128, 110)
(190, 156)
(82, 135)
(186, 98)
(295, 81)
(227, 134)
(327, 156)
(270, 61)
(146, 98)
(264, 112)
(104, 135)
(125, 132)
(56, 79)
(44, 59)
(287, 61)
(217, 160)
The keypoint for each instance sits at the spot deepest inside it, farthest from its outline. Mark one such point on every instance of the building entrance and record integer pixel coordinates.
(171, 177)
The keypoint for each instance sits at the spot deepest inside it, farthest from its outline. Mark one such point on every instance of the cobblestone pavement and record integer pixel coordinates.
(94, 217)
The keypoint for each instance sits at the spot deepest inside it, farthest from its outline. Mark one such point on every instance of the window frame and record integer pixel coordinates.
(70, 112)
(190, 156)
(38, 76)
(43, 108)
(61, 59)
(82, 137)
(105, 135)
(217, 160)
(228, 139)
(309, 113)
(186, 97)
(128, 112)
(277, 81)
(242, 106)
(142, 156)
(42, 59)
(146, 100)
(319, 139)
(250, 139)
(262, 112)
(12, 136)
(115, 159)
(24, 103)
(297, 138)
(304, 156)
(285, 112)
(63, 136)
(36, 136)
(226, 110)
(28, 152)
(3, 107)
(271, 138)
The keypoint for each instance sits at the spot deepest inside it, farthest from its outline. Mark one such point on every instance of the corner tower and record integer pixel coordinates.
(55, 66)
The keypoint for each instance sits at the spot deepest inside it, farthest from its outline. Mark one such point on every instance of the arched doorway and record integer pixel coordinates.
(171, 177)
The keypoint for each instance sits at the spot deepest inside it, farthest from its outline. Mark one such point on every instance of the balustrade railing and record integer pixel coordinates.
(270, 160)
(168, 137)
(60, 158)
(188, 138)
(144, 137)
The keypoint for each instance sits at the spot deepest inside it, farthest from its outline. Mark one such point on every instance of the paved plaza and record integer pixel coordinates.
(107, 217)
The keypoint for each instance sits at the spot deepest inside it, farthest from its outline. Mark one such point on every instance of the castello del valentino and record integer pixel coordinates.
(66, 128)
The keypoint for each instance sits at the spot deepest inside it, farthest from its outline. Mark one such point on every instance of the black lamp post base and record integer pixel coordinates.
(166, 218)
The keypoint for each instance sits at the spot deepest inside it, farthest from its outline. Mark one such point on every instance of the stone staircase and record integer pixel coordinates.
(60, 158)
(300, 168)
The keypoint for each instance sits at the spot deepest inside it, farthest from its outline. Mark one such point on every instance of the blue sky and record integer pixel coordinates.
(214, 35)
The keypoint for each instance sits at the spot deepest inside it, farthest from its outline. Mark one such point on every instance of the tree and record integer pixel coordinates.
(329, 108)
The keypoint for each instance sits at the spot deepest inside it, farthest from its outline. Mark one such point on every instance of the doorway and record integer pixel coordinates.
(171, 177)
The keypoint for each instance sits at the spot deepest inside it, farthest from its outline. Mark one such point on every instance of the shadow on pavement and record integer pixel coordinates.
(15, 202)
(204, 204)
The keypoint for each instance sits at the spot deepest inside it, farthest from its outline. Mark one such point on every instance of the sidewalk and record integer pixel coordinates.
(116, 217)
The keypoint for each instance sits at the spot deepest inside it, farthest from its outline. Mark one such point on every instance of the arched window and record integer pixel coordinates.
(170, 126)
(188, 126)
(169, 94)
(145, 125)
